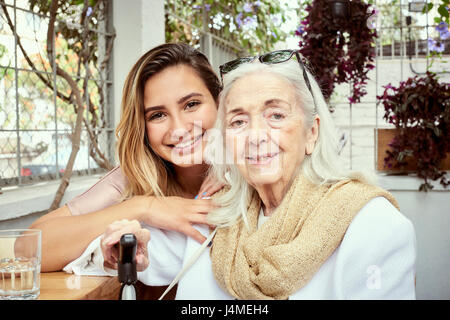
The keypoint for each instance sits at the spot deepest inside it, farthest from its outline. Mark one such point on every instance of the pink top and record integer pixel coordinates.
(106, 192)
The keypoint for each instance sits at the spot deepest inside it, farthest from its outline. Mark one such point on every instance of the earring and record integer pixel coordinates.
(307, 152)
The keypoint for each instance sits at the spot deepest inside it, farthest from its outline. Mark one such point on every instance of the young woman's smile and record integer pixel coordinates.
(178, 110)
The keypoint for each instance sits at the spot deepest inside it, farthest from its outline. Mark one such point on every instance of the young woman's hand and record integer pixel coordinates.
(112, 236)
(178, 214)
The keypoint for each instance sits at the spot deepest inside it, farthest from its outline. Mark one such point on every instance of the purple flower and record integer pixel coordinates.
(372, 22)
(257, 3)
(250, 22)
(300, 30)
(207, 7)
(442, 27)
(275, 20)
(436, 46)
(88, 12)
(239, 19)
(247, 7)
(196, 7)
(444, 35)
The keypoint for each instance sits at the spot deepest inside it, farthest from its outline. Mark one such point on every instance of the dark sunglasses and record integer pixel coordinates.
(273, 57)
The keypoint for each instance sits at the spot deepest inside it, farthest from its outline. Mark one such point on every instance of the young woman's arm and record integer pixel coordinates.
(65, 236)
(68, 230)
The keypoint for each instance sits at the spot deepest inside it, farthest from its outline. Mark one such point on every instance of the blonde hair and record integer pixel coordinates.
(147, 173)
(322, 166)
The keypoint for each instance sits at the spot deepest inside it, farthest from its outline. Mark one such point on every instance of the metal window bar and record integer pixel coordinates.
(218, 49)
(16, 80)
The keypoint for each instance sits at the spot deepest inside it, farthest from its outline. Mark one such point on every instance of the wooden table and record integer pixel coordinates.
(66, 286)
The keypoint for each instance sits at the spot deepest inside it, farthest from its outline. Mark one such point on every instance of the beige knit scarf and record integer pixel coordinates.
(280, 257)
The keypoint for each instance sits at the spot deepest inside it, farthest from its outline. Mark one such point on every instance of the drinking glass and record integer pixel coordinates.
(20, 264)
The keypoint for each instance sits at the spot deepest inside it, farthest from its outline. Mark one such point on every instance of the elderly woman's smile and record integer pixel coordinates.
(265, 130)
(262, 159)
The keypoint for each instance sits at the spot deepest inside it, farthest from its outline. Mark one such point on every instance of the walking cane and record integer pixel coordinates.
(127, 273)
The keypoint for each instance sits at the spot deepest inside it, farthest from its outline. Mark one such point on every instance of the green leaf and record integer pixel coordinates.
(443, 11)
(427, 8)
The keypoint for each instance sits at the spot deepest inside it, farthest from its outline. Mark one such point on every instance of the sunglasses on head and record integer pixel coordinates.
(273, 57)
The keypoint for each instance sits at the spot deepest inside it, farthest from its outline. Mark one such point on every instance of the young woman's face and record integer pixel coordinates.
(178, 109)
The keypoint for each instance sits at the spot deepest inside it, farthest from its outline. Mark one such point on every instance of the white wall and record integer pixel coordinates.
(139, 26)
(429, 212)
(430, 215)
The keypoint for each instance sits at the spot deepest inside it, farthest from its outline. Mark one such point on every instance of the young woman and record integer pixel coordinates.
(169, 101)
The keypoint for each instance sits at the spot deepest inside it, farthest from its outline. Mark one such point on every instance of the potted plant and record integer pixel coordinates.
(420, 111)
(339, 44)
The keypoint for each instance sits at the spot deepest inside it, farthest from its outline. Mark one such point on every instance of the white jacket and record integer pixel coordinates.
(376, 260)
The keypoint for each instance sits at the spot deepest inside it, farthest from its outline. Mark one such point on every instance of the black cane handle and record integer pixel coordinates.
(127, 259)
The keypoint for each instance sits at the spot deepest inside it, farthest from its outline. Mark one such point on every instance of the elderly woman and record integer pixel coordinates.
(293, 224)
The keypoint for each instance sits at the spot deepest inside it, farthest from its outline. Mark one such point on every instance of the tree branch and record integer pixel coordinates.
(76, 136)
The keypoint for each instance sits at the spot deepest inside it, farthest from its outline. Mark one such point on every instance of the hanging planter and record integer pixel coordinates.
(339, 44)
(340, 9)
(420, 111)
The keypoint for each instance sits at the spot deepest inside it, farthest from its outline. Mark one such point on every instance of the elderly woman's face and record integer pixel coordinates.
(265, 130)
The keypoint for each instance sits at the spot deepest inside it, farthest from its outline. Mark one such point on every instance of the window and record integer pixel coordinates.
(37, 106)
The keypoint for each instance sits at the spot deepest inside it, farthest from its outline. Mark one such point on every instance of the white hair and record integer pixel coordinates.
(322, 166)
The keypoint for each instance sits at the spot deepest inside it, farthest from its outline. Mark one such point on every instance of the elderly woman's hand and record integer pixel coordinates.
(112, 236)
